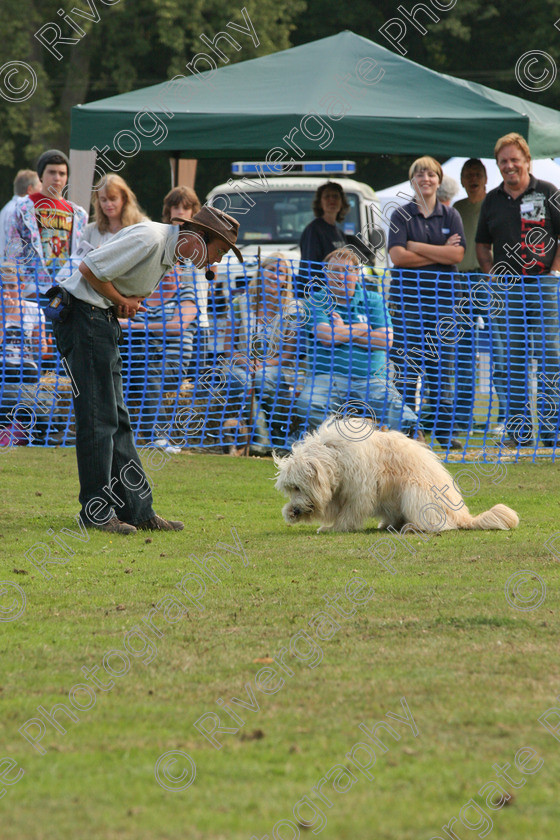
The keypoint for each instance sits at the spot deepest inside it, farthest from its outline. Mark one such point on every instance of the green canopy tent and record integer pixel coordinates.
(342, 95)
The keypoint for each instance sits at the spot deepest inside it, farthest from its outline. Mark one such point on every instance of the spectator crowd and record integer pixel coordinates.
(266, 360)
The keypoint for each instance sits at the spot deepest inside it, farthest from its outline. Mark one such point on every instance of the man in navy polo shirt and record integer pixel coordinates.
(426, 241)
(517, 242)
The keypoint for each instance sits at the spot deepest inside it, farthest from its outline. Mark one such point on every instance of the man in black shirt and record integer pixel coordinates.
(517, 243)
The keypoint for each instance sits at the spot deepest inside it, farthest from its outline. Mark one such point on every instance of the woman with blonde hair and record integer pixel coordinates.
(266, 298)
(114, 207)
(259, 339)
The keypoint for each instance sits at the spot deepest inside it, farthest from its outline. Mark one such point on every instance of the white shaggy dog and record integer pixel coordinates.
(340, 475)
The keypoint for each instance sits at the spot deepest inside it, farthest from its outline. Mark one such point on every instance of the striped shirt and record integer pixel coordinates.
(173, 350)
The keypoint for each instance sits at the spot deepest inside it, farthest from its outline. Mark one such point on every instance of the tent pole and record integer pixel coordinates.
(82, 176)
(174, 164)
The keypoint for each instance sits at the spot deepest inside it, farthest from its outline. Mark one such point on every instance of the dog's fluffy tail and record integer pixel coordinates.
(498, 518)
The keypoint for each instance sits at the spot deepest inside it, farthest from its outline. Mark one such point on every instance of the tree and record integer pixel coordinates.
(475, 40)
(112, 46)
(134, 43)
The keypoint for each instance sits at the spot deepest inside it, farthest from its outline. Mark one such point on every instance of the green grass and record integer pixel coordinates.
(476, 673)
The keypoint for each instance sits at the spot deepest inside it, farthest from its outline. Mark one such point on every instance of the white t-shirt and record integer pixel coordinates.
(91, 238)
(135, 260)
(194, 278)
(93, 235)
(18, 331)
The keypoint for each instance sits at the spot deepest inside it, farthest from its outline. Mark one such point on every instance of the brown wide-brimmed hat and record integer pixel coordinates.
(216, 221)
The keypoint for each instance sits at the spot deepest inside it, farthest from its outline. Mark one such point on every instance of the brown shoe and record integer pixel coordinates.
(158, 523)
(113, 526)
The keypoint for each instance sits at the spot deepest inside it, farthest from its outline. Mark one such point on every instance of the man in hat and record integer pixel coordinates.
(111, 283)
(46, 227)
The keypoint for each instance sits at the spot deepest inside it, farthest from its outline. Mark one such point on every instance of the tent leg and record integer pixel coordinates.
(183, 171)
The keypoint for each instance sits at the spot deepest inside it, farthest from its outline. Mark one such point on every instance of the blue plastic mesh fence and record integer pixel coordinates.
(259, 357)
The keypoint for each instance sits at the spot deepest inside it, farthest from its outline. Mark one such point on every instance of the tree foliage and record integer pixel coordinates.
(134, 43)
(476, 40)
(141, 42)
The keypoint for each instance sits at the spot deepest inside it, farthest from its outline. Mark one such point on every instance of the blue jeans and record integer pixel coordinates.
(324, 394)
(269, 389)
(109, 469)
(528, 327)
(500, 376)
(465, 375)
(468, 309)
(418, 351)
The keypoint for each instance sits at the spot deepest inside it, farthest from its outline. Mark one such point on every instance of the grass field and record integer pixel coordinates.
(476, 671)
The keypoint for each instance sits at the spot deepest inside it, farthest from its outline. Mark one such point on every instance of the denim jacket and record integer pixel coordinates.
(24, 243)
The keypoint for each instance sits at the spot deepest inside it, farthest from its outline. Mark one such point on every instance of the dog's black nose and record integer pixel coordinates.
(296, 511)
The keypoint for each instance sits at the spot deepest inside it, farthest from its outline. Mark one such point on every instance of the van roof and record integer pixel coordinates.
(297, 182)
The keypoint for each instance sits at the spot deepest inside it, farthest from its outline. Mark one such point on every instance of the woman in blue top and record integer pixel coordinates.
(427, 238)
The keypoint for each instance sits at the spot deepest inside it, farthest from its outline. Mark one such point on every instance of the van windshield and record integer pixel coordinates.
(280, 216)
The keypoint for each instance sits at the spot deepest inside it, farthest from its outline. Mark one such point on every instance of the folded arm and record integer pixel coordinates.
(363, 334)
(403, 258)
(445, 254)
